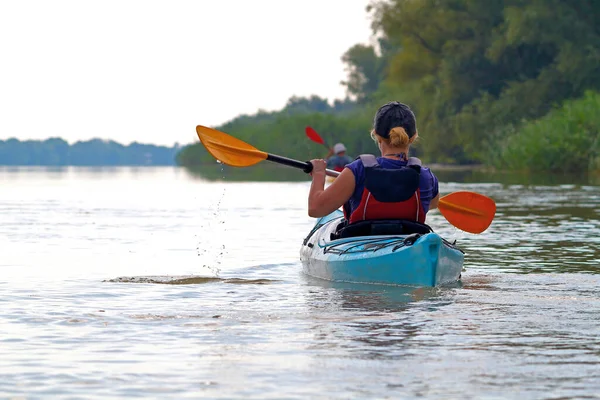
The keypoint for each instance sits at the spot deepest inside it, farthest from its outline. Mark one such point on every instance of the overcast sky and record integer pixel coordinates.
(151, 70)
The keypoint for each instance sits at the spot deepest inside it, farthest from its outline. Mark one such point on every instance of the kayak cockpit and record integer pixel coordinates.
(379, 227)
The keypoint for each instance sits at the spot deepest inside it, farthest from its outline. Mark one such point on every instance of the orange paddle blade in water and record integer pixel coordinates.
(468, 211)
(313, 135)
(229, 150)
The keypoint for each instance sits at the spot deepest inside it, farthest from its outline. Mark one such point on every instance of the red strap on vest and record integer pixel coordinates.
(370, 208)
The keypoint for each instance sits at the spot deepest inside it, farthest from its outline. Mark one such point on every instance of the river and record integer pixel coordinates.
(156, 283)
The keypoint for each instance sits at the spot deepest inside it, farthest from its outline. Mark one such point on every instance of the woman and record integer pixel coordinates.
(388, 187)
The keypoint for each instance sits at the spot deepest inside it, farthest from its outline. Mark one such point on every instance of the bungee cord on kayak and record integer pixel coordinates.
(370, 245)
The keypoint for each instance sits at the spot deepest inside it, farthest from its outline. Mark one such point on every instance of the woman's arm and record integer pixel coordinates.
(429, 185)
(322, 202)
(434, 202)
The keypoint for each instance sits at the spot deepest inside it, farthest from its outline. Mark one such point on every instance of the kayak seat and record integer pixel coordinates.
(379, 227)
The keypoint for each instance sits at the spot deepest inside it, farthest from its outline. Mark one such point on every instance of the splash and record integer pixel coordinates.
(206, 248)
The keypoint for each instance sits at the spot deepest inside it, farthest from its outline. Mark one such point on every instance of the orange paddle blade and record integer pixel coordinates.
(313, 135)
(229, 150)
(468, 211)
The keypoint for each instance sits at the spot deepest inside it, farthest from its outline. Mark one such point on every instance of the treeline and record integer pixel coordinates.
(282, 132)
(501, 82)
(95, 152)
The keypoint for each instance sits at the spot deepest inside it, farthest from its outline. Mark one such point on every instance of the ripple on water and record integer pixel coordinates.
(188, 280)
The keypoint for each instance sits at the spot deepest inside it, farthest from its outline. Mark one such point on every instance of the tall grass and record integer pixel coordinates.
(566, 139)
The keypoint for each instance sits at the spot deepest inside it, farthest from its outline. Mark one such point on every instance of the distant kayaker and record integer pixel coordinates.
(337, 158)
(397, 188)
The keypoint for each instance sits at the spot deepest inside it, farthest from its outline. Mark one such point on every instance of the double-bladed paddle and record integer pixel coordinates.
(468, 211)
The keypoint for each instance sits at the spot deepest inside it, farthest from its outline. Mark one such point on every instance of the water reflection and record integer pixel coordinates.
(266, 172)
(270, 172)
(540, 229)
(482, 175)
(277, 173)
(369, 321)
(33, 173)
(367, 297)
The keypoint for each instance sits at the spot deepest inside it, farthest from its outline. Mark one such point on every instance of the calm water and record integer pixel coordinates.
(86, 310)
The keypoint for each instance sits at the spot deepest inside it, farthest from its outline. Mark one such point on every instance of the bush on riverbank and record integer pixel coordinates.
(566, 139)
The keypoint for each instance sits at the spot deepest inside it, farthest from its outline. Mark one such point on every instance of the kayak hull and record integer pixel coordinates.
(416, 260)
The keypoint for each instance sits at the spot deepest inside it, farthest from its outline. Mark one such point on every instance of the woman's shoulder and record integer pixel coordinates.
(426, 170)
(356, 163)
(428, 179)
(357, 167)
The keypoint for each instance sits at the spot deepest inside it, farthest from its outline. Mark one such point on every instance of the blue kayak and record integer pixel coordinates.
(416, 259)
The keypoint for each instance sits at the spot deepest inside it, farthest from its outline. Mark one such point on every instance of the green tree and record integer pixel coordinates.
(96, 152)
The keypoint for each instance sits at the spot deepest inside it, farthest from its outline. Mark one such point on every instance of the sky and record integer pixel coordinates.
(151, 70)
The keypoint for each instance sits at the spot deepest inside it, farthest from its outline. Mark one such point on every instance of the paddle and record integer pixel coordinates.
(315, 137)
(469, 211)
(234, 152)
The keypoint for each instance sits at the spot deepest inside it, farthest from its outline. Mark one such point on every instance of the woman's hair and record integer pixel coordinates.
(397, 137)
(395, 123)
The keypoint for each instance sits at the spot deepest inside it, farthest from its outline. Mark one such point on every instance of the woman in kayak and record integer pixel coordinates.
(391, 186)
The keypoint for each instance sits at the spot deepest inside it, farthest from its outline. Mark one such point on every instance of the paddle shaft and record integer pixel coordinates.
(305, 166)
